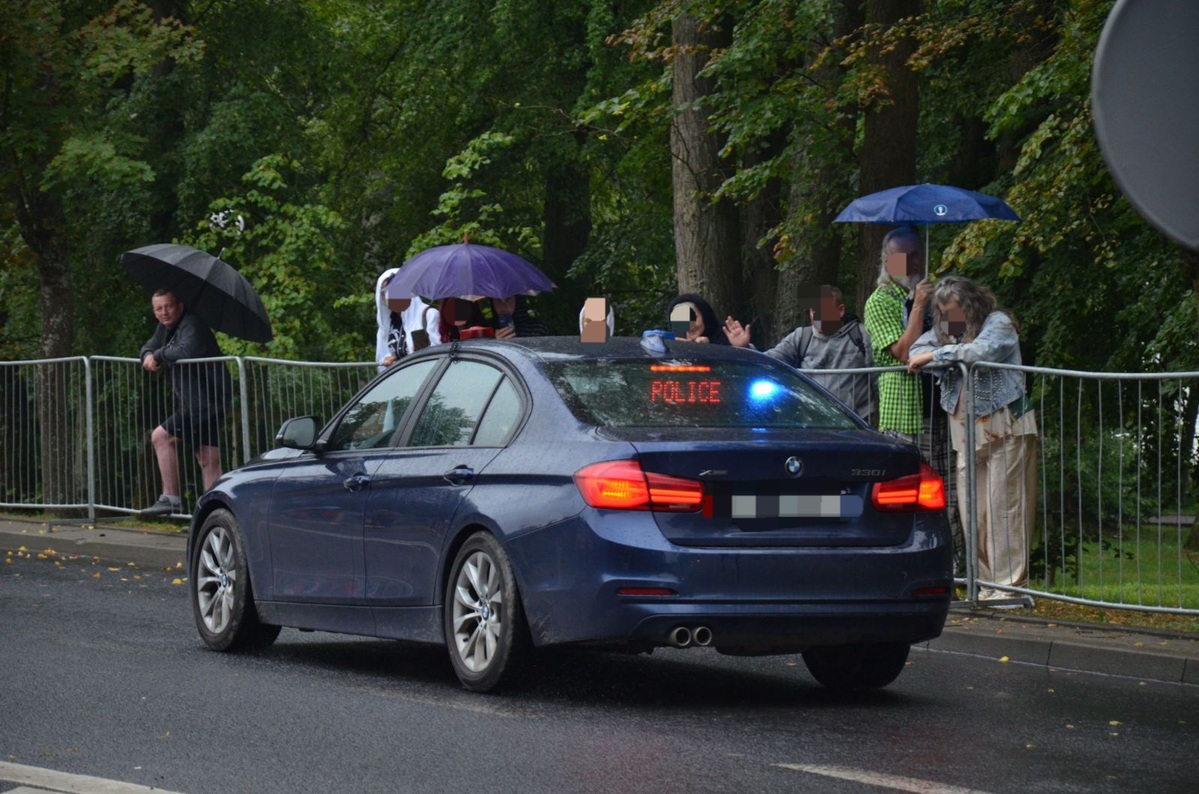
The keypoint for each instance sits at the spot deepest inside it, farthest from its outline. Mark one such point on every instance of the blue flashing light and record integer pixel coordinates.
(763, 389)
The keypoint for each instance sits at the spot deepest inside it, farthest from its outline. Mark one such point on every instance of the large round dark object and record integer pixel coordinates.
(1145, 98)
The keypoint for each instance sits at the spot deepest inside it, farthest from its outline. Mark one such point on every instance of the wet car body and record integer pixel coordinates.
(788, 549)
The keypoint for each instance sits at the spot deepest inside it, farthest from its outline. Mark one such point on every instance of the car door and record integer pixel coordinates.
(460, 428)
(318, 503)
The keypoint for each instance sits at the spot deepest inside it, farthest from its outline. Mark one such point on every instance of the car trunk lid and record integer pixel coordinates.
(790, 489)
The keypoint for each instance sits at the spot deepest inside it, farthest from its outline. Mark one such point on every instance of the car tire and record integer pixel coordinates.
(485, 626)
(221, 594)
(850, 668)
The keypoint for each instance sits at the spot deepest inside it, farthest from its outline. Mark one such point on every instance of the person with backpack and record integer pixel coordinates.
(404, 325)
(834, 340)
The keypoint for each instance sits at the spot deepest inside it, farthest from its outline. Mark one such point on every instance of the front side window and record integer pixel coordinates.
(372, 421)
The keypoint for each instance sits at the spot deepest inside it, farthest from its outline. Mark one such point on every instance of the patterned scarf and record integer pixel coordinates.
(397, 341)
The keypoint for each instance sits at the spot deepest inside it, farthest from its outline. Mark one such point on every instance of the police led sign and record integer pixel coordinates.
(688, 385)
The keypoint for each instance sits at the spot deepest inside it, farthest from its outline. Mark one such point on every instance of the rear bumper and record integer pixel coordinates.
(791, 628)
(753, 600)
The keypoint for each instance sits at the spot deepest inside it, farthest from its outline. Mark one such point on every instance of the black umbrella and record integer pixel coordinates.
(208, 287)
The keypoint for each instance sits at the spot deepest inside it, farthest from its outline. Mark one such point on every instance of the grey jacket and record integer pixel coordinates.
(838, 351)
(199, 387)
(993, 388)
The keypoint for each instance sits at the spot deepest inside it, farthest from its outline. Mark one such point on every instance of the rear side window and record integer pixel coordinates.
(448, 419)
(679, 393)
(503, 412)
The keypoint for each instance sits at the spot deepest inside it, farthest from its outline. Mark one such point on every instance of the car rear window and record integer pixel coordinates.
(642, 393)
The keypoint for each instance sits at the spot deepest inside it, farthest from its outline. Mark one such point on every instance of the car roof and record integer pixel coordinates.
(547, 349)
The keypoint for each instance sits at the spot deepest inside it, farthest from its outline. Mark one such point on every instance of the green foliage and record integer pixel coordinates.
(287, 254)
(350, 135)
(466, 210)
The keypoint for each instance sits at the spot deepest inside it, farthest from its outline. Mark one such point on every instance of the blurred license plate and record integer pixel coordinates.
(784, 506)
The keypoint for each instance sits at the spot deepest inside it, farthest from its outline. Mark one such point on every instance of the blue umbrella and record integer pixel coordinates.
(925, 204)
(468, 271)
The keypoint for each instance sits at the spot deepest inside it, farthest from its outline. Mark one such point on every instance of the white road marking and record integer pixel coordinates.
(48, 779)
(895, 782)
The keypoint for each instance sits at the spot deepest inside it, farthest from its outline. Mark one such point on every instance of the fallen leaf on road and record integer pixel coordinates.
(1004, 659)
(1114, 722)
(177, 581)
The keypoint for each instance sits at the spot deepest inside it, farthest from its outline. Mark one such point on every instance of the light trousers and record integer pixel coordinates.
(1005, 487)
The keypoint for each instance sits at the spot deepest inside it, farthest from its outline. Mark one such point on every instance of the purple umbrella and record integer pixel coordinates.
(468, 271)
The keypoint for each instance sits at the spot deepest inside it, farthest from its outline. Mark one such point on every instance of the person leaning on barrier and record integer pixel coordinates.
(405, 325)
(201, 391)
(897, 313)
(834, 340)
(970, 326)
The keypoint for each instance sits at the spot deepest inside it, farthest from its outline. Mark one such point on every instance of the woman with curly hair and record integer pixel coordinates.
(971, 327)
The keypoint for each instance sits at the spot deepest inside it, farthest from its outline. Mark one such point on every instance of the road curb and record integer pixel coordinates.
(1164, 657)
(159, 548)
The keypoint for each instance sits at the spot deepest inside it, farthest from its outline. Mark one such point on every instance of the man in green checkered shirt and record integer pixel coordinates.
(900, 402)
(901, 409)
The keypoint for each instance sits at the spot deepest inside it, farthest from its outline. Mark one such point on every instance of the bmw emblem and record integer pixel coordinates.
(793, 466)
(940, 210)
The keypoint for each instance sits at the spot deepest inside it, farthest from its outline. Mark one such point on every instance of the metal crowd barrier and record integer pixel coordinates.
(78, 430)
(1117, 461)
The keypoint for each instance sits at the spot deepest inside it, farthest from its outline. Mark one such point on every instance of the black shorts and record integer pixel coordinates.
(197, 429)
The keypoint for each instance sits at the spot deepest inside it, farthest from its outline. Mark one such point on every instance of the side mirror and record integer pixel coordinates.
(298, 433)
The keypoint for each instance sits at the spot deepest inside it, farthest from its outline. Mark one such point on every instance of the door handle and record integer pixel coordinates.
(356, 482)
(459, 475)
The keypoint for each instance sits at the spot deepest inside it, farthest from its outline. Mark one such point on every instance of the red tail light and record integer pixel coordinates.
(622, 485)
(923, 491)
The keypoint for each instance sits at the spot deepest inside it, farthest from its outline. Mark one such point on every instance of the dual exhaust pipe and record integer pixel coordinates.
(684, 636)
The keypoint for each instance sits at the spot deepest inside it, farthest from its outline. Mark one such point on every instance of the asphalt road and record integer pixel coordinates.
(105, 677)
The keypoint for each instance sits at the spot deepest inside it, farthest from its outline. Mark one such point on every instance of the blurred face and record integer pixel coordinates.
(594, 325)
(686, 322)
(953, 318)
(167, 309)
(397, 305)
(504, 306)
(828, 318)
(462, 313)
(905, 262)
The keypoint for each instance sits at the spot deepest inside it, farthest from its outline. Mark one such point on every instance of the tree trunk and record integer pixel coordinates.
(706, 232)
(567, 230)
(888, 156)
(758, 217)
(818, 260)
(58, 410)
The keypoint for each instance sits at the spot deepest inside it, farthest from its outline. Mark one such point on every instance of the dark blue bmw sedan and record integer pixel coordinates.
(501, 496)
